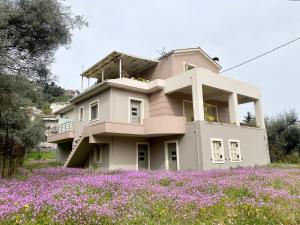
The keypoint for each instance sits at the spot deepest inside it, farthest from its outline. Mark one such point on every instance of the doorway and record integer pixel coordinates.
(143, 156)
(171, 155)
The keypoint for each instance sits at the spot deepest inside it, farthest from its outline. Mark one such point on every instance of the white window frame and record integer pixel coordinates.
(183, 108)
(142, 108)
(239, 150)
(212, 148)
(81, 119)
(137, 154)
(167, 156)
(217, 113)
(187, 63)
(90, 112)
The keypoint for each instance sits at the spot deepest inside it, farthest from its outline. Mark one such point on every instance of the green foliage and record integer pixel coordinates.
(30, 33)
(34, 155)
(54, 93)
(249, 120)
(284, 137)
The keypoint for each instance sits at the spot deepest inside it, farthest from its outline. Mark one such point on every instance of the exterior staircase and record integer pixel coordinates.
(75, 144)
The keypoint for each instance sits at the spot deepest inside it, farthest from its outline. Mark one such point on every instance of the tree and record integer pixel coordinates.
(30, 33)
(284, 137)
(249, 120)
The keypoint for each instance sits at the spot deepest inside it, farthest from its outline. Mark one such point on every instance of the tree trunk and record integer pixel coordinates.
(11, 168)
(6, 145)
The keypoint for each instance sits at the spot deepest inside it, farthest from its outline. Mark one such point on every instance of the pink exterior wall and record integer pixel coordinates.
(162, 104)
(174, 64)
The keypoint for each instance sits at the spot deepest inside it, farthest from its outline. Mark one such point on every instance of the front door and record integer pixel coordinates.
(188, 111)
(135, 111)
(171, 153)
(142, 151)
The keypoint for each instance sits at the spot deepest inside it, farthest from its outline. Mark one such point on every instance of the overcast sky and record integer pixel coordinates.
(233, 30)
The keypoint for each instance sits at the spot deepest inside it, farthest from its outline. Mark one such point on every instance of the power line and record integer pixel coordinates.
(263, 54)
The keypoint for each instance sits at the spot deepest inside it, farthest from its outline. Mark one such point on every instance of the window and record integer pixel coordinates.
(94, 110)
(97, 155)
(188, 66)
(235, 151)
(81, 114)
(210, 112)
(135, 111)
(188, 110)
(217, 150)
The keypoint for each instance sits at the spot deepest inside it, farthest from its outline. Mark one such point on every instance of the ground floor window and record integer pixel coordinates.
(217, 150)
(235, 151)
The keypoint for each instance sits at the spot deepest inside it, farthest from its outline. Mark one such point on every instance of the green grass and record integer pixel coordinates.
(49, 155)
(284, 166)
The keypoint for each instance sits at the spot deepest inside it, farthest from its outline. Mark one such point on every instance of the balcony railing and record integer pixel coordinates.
(61, 128)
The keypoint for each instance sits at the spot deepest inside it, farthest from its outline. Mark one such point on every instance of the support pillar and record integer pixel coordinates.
(197, 92)
(81, 83)
(260, 122)
(233, 109)
(102, 75)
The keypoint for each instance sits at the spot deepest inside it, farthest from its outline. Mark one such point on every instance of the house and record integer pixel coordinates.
(51, 123)
(57, 105)
(176, 112)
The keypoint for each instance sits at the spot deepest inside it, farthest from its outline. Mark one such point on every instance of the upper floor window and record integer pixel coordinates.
(210, 112)
(136, 111)
(217, 150)
(94, 110)
(188, 66)
(81, 113)
(235, 151)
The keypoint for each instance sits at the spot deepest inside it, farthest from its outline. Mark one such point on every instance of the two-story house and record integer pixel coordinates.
(176, 112)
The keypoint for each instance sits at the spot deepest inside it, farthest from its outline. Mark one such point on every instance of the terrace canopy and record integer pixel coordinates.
(117, 65)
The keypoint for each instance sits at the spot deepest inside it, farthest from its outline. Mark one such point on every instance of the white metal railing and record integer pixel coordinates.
(61, 128)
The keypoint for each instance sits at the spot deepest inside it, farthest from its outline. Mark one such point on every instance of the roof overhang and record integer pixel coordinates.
(64, 109)
(122, 83)
(132, 65)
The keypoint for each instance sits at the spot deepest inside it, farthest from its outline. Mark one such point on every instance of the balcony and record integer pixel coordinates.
(61, 133)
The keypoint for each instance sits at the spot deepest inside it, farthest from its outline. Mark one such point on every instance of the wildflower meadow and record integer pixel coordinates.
(76, 196)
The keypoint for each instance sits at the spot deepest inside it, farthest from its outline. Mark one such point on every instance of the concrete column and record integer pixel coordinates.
(233, 109)
(197, 92)
(260, 122)
(102, 75)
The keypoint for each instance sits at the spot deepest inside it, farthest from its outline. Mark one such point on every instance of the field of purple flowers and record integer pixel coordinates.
(75, 196)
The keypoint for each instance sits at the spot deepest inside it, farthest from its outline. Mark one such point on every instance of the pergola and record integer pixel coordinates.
(118, 65)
